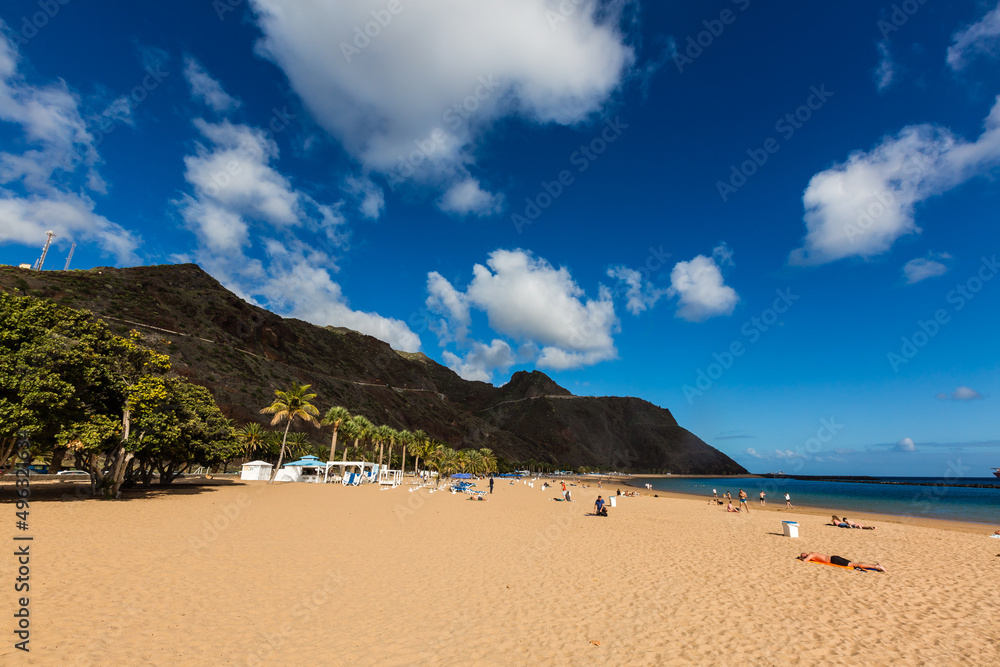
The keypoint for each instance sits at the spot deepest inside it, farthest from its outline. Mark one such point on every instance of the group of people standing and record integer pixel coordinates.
(742, 497)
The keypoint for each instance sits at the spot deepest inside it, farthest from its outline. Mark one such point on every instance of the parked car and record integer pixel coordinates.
(73, 472)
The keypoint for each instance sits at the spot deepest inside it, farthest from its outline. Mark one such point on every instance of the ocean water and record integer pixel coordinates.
(907, 496)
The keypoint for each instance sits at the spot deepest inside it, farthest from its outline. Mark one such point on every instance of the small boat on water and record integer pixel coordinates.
(996, 472)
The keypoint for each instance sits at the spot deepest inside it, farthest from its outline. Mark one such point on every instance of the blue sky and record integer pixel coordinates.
(777, 222)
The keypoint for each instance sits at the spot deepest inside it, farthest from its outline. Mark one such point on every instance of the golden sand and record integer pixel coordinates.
(248, 574)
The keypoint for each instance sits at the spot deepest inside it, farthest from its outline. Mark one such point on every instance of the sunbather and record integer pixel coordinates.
(839, 560)
(856, 525)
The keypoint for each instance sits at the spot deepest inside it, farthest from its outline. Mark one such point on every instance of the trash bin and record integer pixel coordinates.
(613, 502)
(791, 528)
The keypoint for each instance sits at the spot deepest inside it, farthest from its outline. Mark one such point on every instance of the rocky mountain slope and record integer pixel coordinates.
(242, 353)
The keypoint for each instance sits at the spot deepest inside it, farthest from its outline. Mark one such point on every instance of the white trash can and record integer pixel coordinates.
(791, 528)
(614, 502)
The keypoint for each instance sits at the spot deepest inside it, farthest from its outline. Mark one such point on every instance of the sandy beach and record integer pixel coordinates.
(234, 573)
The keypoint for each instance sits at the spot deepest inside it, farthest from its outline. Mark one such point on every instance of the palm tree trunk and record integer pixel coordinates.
(333, 444)
(402, 465)
(281, 455)
(381, 449)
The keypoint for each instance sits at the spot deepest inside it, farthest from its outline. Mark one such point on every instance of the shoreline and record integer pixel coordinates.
(945, 524)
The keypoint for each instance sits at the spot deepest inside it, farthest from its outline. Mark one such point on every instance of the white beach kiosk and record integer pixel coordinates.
(307, 469)
(256, 471)
(311, 470)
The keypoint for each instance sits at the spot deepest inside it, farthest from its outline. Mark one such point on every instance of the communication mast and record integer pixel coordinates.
(45, 250)
(69, 257)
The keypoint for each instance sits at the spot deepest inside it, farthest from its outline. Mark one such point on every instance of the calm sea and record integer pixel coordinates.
(906, 498)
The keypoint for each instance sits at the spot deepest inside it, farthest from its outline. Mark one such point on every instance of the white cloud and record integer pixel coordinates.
(982, 37)
(640, 294)
(961, 394)
(860, 207)
(701, 288)
(528, 300)
(444, 299)
(371, 199)
(70, 216)
(240, 200)
(788, 454)
(413, 97)
(922, 268)
(206, 89)
(481, 361)
(906, 445)
(467, 197)
(56, 170)
(753, 452)
(886, 71)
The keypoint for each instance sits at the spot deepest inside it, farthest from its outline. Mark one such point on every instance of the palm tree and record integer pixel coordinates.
(490, 458)
(335, 416)
(405, 438)
(289, 406)
(382, 434)
(252, 438)
(351, 430)
(298, 444)
(420, 448)
(475, 461)
(365, 429)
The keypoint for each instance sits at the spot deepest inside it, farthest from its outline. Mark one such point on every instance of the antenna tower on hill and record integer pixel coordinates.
(45, 250)
(69, 257)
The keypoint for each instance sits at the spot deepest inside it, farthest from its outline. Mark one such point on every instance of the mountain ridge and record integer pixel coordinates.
(242, 353)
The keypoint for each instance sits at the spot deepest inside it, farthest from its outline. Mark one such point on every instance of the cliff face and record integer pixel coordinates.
(242, 353)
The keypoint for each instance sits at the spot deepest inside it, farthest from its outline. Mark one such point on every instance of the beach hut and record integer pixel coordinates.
(256, 471)
(306, 469)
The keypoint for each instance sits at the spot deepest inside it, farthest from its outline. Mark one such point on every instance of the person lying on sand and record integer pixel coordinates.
(840, 522)
(839, 560)
(856, 525)
(730, 508)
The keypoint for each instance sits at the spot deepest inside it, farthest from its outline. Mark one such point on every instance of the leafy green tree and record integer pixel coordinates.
(288, 406)
(335, 417)
(177, 425)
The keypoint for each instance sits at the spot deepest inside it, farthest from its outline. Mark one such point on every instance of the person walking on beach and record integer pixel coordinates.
(715, 494)
(762, 494)
(743, 501)
(491, 483)
(788, 501)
